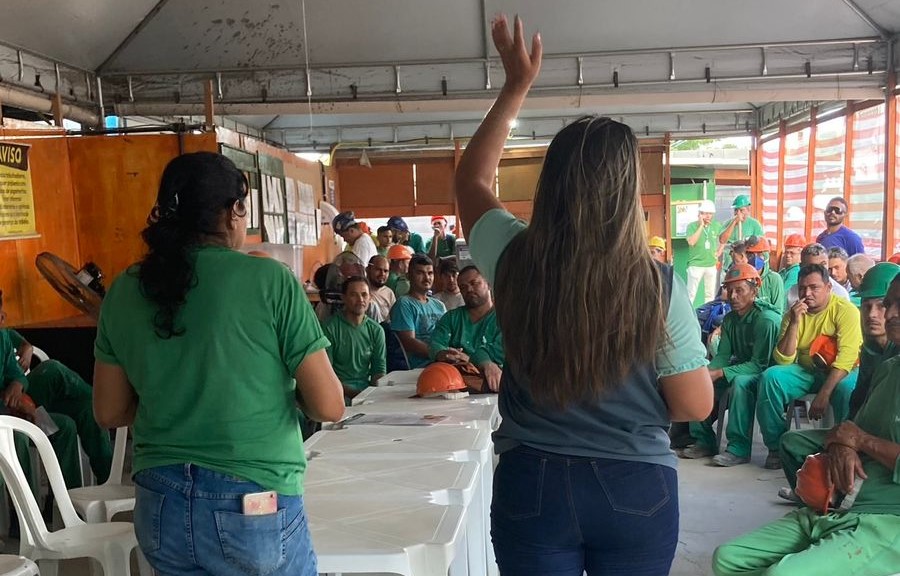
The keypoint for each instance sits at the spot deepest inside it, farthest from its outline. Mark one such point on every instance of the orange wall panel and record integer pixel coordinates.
(384, 184)
(434, 184)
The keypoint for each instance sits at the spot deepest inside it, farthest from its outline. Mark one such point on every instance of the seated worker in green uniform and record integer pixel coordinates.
(818, 312)
(772, 288)
(749, 332)
(403, 236)
(398, 258)
(357, 351)
(878, 347)
(790, 260)
(443, 243)
(864, 540)
(471, 333)
(415, 315)
(66, 397)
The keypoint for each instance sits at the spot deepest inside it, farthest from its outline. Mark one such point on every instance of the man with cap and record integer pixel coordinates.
(863, 539)
(772, 289)
(749, 332)
(790, 260)
(345, 225)
(471, 333)
(703, 252)
(443, 244)
(403, 236)
(743, 225)
(398, 258)
(816, 254)
(818, 313)
(658, 249)
(835, 233)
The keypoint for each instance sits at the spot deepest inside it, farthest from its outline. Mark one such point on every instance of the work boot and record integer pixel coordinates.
(696, 451)
(787, 493)
(773, 461)
(727, 460)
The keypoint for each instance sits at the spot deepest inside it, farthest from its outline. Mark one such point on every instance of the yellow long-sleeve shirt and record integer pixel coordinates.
(839, 319)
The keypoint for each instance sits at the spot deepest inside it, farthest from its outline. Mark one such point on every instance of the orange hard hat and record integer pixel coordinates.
(400, 252)
(794, 241)
(437, 218)
(895, 258)
(364, 228)
(823, 351)
(742, 272)
(439, 378)
(761, 245)
(813, 486)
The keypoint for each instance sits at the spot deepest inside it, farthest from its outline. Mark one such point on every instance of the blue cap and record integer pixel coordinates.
(397, 223)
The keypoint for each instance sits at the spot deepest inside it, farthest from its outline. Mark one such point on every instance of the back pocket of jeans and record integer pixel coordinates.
(148, 518)
(632, 487)
(254, 544)
(518, 485)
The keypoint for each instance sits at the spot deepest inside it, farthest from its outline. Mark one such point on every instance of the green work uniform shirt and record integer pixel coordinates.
(357, 352)
(750, 227)
(703, 253)
(482, 340)
(446, 246)
(747, 341)
(871, 357)
(772, 289)
(12, 372)
(416, 243)
(790, 276)
(398, 283)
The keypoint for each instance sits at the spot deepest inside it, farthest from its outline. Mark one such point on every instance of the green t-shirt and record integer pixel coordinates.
(222, 395)
(703, 253)
(772, 289)
(398, 283)
(750, 227)
(411, 315)
(790, 276)
(12, 372)
(880, 492)
(482, 340)
(745, 348)
(416, 243)
(357, 352)
(446, 246)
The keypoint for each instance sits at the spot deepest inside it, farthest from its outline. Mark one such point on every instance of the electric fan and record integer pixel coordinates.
(81, 288)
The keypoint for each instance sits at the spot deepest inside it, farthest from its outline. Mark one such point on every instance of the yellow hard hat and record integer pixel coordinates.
(657, 242)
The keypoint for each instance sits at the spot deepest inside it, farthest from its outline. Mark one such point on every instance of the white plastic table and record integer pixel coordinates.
(401, 516)
(418, 443)
(479, 410)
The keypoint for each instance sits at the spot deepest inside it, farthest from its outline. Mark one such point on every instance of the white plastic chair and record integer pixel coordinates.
(793, 413)
(98, 504)
(17, 566)
(110, 543)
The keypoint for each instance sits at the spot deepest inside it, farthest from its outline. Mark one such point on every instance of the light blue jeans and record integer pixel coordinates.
(188, 521)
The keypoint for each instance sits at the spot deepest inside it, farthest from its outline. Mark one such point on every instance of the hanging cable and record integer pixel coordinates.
(308, 76)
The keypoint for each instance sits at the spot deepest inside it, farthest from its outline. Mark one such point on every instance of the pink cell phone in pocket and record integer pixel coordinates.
(260, 503)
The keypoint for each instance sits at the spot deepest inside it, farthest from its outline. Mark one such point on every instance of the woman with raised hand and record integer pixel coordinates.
(207, 352)
(603, 349)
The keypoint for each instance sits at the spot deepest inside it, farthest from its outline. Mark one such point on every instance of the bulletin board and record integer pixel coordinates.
(683, 213)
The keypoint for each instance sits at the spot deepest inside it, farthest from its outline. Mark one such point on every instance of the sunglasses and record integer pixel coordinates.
(834, 210)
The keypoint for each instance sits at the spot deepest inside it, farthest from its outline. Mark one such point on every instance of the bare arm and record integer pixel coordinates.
(688, 395)
(787, 346)
(695, 237)
(475, 174)
(726, 234)
(115, 401)
(319, 392)
(411, 344)
(883, 451)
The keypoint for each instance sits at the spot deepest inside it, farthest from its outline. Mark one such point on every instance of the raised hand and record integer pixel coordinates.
(521, 67)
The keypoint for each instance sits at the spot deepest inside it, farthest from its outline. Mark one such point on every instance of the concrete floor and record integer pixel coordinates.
(717, 504)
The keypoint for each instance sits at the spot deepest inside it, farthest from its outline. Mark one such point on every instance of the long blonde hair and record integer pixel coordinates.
(579, 299)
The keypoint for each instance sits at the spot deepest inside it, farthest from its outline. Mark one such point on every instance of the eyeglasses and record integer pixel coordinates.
(834, 210)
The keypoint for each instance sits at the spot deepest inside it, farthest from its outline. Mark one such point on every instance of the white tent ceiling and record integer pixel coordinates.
(398, 70)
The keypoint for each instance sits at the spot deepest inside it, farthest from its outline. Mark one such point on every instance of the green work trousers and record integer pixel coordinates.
(66, 396)
(804, 543)
(781, 385)
(741, 410)
(702, 432)
(65, 446)
(796, 445)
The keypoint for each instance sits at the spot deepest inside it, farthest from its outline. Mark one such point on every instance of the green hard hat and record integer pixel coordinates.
(877, 280)
(741, 201)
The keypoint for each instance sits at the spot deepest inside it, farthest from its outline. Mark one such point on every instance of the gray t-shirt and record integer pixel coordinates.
(629, 423)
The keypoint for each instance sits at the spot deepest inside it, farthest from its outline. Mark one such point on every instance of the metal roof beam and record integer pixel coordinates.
(132, 35)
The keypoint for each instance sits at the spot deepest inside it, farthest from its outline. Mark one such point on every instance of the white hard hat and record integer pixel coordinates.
(708, 207)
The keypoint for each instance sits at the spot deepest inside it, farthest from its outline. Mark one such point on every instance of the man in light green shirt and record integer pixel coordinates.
(703, 253)
(470, 333)
(357, 350)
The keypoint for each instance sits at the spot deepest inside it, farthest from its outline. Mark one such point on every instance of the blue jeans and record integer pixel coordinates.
(556, 514)
(188, 521)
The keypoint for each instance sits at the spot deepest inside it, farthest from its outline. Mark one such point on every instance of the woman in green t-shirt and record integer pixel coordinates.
(206, 352)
